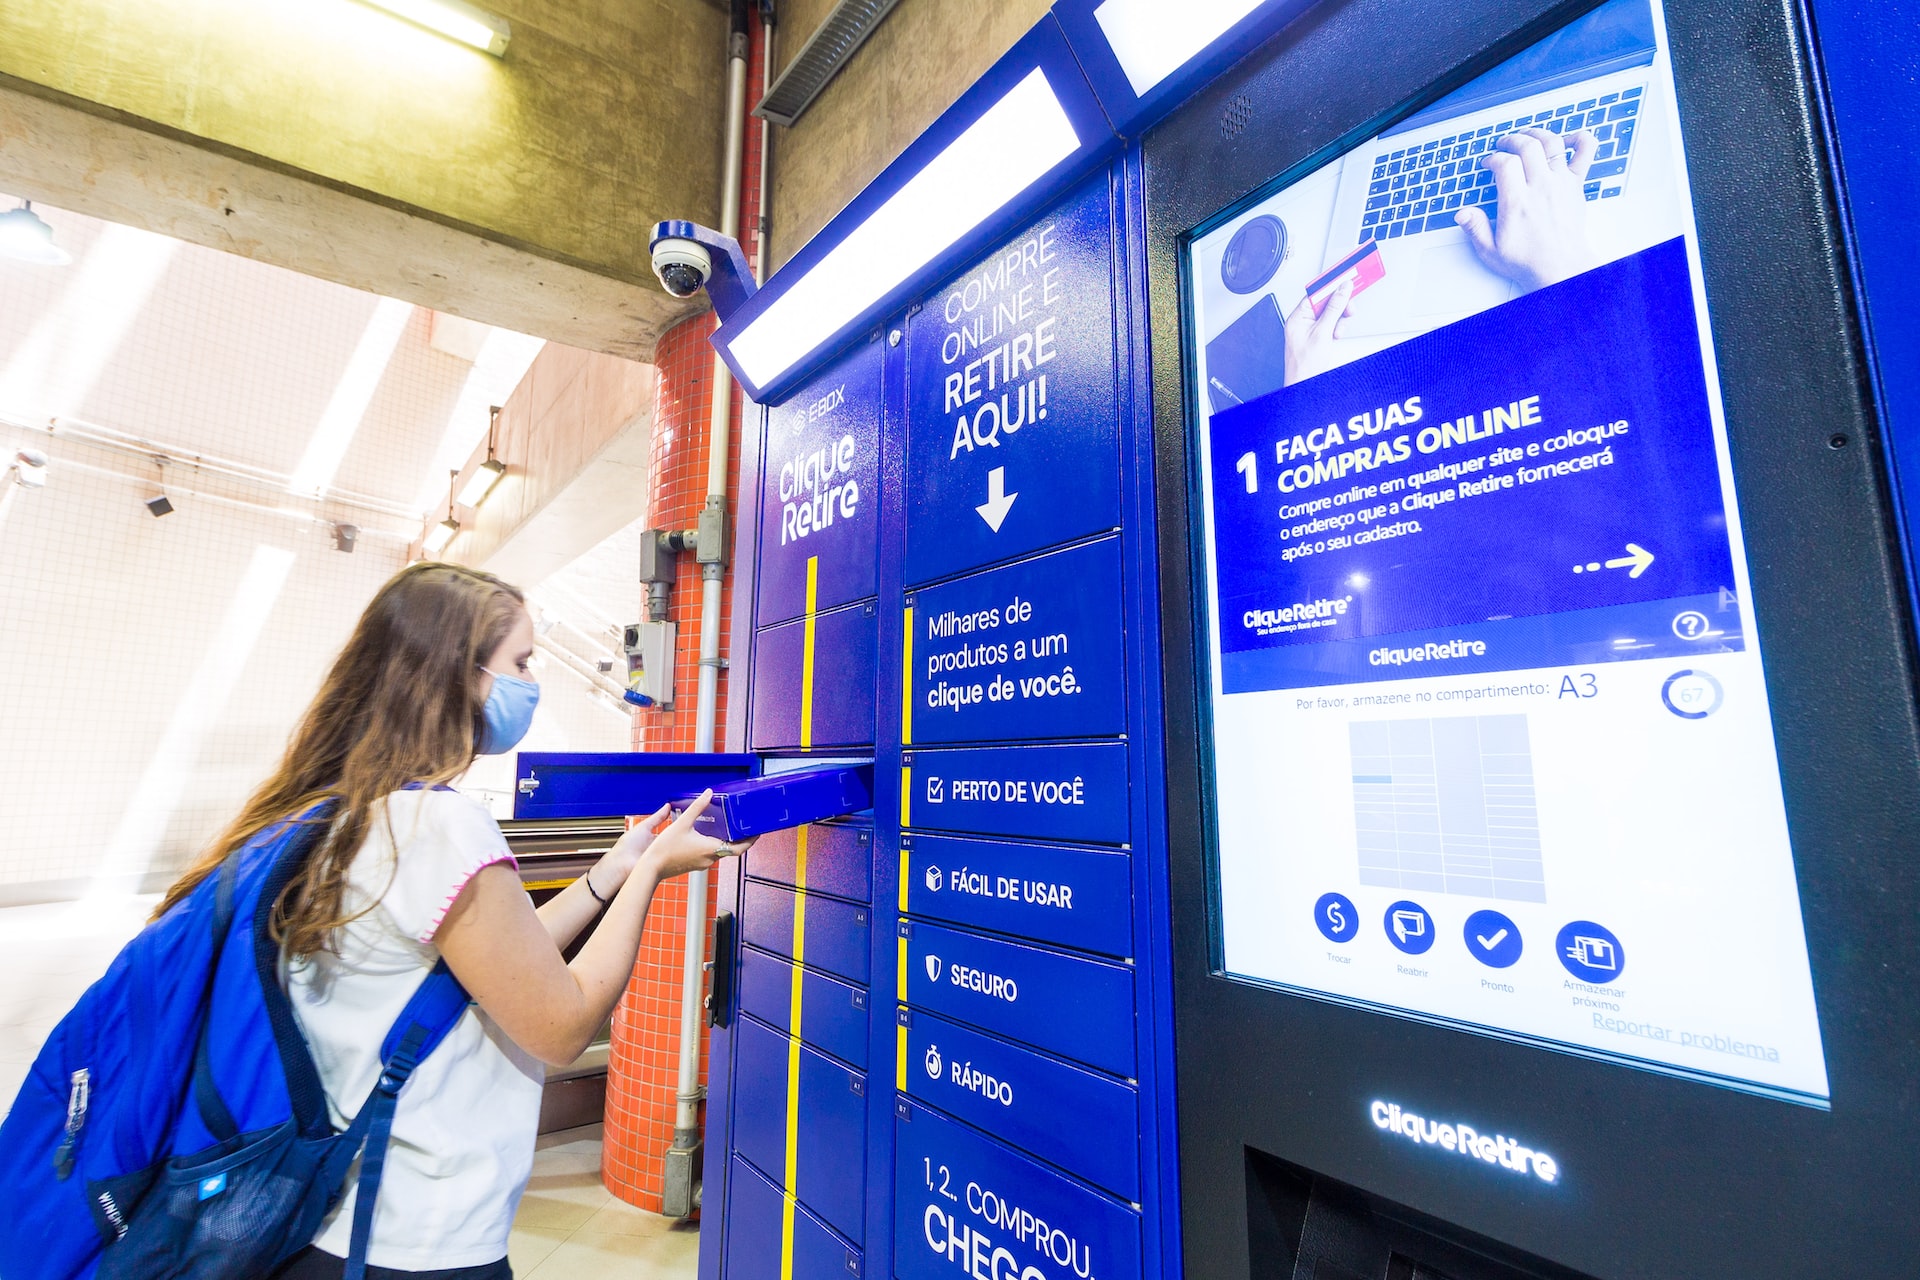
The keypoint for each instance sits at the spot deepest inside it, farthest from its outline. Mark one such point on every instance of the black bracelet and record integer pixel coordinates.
(588, 881)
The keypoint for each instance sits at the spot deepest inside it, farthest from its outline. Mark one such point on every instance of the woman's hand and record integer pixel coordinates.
(1310, 338)
(503, 953)
(672, 852)
(680, 849)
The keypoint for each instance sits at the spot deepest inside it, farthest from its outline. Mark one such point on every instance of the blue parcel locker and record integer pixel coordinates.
(756, 1240)
(838, 859)
(1087, 1124)
(834, 934)
(1013, 429)
(832, 1013)
(1069, 897)
(830, 1107)
(840, 691)
(1032, 650)
(1077, 793)
(961, 1201)
(820, 500)
(1076, 1007)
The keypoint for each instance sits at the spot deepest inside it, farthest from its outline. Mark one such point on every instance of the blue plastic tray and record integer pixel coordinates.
(749, 807)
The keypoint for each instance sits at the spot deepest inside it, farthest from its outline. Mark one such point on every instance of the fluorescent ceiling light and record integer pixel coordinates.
(998, 156)
(440, 535)
(26, 237)
(340, 421)
(454, 19)
(481, 482)
(1153, 39)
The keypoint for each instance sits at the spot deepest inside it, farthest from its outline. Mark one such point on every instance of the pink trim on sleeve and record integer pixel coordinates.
(453, 894)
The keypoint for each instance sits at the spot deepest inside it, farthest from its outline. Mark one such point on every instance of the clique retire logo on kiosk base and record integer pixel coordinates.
(1464, 1140)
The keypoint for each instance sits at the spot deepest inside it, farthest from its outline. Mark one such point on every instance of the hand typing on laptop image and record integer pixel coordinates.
(1536, 237)
(1533, 172)
(1540, 233)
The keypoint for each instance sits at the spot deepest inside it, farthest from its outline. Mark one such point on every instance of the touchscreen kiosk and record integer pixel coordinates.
(1531, 923)
(1489, 708)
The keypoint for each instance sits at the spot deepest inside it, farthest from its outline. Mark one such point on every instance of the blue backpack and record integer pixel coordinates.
(174, 1124)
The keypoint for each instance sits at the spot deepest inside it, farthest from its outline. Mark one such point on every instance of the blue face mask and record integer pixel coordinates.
(507, 713)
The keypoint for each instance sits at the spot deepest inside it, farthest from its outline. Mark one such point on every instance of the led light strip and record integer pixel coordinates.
(1152, 39)
(998, 156)
(455, 20)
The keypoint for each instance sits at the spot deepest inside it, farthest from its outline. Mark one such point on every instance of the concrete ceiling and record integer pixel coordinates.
(331, 138)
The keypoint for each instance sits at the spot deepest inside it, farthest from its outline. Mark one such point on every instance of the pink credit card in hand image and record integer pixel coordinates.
(1363, 266)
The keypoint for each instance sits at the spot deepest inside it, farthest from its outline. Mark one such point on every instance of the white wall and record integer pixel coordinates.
(151, 669)
(155, 668)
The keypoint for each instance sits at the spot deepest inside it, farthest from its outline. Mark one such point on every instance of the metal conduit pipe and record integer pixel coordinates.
(112, 438)
(681, 1193)
(178, 490)
(763, 224)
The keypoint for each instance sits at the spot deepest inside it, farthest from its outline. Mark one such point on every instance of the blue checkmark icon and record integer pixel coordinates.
(1493, 939)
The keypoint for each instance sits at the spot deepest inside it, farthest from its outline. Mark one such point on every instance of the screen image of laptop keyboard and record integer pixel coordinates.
(1420, 188)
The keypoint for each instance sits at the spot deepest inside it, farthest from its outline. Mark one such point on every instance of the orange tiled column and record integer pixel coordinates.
(644, 1061)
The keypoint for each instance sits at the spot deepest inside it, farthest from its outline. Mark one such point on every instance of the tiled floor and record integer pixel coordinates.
(570, 1227)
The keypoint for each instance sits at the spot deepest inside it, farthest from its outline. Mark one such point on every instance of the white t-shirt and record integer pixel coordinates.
(464, 1127)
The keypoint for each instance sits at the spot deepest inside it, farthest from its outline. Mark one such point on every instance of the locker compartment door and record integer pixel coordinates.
(833, 1014)
(834, 935)
(759, 1240)
(826, 1104)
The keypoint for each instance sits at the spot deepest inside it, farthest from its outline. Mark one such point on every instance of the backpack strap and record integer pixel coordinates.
(430, 1014)
(304, 1090)
(206, 1095)
(298, 836)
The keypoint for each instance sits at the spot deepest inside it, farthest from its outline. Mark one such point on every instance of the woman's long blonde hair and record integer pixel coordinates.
(401, 705)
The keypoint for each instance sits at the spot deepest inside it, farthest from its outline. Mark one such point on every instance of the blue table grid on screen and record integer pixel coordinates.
(1447, 805)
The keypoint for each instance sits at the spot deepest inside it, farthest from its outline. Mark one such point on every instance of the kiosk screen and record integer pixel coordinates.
(1490, 734)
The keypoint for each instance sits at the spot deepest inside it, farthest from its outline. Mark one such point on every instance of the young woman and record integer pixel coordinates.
(436, 671)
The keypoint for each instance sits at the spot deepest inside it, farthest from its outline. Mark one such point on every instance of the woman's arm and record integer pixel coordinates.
(505, 956)
(572, 909)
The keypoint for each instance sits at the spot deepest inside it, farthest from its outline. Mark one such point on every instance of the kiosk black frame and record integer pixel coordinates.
(1671, 1177)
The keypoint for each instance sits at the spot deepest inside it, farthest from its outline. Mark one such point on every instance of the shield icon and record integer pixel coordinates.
(933, 968)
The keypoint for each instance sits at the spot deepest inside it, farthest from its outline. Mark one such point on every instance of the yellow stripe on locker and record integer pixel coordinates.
(900, 990)
(906, 856)
(900, 1057)
(906, 796)
(793, 1008)
(906, 682)
(806, 656)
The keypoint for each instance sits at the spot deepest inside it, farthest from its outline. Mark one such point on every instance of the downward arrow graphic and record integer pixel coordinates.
(999, 501)
(1637, 558)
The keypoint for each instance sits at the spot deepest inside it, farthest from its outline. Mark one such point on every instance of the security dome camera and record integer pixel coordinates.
(682, 265)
